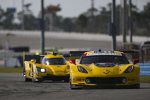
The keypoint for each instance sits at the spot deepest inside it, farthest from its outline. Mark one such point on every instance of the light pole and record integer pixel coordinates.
(130, 21)
(22, 27)
(123, 20)
(113, 23)
(42, 28)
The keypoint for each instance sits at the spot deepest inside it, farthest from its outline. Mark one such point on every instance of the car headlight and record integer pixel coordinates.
(42, 70)
(82, 70)
(129, 69)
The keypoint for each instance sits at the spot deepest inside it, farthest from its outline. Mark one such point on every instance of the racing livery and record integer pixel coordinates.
(53, 67)
(104, 68)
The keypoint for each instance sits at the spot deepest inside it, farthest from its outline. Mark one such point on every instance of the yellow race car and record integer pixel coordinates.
(104, 68)
(53, 67)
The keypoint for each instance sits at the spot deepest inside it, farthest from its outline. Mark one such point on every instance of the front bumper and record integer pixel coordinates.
(105, 81)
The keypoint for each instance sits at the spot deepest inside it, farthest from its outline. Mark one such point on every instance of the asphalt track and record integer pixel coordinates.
(12, 87)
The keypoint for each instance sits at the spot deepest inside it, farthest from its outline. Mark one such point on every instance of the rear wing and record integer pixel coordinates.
(133, 55)
(77, 53)
(29, 57)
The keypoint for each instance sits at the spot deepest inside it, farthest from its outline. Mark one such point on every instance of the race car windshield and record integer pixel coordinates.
(104, 59)
(54, 61)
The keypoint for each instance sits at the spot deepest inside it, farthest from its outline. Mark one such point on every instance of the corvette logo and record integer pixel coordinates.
(106, 71)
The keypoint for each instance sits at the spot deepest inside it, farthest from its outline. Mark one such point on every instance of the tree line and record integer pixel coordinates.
(91, 21)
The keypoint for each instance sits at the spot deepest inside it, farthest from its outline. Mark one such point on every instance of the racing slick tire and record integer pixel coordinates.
(27, 79)
(66, 80)
(73, 87)
(36, 80)
(136, 86)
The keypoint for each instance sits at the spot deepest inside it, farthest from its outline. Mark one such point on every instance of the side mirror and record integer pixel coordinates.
(72, 61)
(33, 60)
(135, 61)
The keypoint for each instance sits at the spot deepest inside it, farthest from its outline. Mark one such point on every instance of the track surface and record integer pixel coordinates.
(12, 87)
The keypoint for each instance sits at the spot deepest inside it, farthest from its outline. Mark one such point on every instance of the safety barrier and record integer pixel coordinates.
(145, 69)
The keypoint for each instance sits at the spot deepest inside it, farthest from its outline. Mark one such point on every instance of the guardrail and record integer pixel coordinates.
(145, 69)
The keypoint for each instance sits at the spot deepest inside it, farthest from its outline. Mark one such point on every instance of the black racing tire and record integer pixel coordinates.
(136, 86)
(66, 80)
(36, 80)
(27, 79)
(73, 87)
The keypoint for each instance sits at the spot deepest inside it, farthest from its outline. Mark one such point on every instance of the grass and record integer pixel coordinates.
(10, 70)
(145, 79)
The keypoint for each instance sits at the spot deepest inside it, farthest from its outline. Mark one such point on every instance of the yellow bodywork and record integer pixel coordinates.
(79, 78)
(99, 75)
(33, 70)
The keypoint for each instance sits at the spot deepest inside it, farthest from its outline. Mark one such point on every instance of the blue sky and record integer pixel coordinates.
(70, 8)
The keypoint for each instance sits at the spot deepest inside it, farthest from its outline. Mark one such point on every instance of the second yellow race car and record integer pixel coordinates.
(52, 67)
(104, 68)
